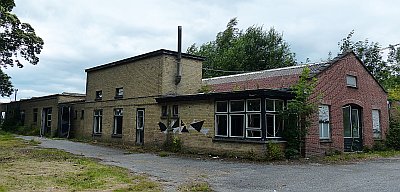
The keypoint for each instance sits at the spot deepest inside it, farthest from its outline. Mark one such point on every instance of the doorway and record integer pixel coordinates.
(140, 126)
(352, 125)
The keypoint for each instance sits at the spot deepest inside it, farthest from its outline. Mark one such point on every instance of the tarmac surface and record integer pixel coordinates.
(373, 175)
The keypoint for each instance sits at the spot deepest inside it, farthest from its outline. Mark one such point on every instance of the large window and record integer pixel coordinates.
(117, 121)
(324, 128)
(376, 124)
(244, 118)
(97, 121)
(274, 121)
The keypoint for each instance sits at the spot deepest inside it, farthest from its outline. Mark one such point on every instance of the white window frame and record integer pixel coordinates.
(244, 106)
(349, 79)
(324, 123)
(247, 106)
(377, 133)
(230, 124)
(273, 113)
(227, 124)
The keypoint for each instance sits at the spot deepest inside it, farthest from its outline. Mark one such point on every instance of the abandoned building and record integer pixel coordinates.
(133, 101)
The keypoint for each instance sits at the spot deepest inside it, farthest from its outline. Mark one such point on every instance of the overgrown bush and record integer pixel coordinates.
(173, 144)
(273, 151)
(393, 136)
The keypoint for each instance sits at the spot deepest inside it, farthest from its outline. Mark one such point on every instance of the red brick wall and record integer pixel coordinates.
(332, 90)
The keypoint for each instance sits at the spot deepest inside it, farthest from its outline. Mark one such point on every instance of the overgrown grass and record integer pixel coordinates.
(195, 186)
(28, 168)
(347, 157)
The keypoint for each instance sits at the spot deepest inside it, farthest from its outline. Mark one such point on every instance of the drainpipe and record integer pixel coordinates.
(178, 64)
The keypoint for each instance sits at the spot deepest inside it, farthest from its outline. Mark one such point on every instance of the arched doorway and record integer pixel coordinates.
(352, 126)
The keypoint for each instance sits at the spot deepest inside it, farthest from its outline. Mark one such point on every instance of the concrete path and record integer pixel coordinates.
(377, 175)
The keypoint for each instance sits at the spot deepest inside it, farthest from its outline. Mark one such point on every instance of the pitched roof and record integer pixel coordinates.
(268, 79)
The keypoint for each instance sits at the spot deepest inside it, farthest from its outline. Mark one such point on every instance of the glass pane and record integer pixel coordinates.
(376, 127)
(346, 121)
(323, 113)
(351, 81)
(355, 122)
(321, 134)
(237, 125)
(222, 106)
(222, 125)
(278, 126)
(254, 120)
(269, 105)
(140, 119)
(254, 105)
(325, 130)
(270, 125)
(254, 133)
(237, 106)
(278, 105)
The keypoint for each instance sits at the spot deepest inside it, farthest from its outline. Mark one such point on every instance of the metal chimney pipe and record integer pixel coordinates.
(178, 65)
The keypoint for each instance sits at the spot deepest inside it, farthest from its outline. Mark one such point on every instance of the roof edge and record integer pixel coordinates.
(144, 56)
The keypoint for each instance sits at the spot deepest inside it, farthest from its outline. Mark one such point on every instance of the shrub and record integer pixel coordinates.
(274, 151)
(173, 144)
(393, 136)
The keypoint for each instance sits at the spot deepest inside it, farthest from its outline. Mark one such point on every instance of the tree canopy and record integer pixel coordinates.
(386, 69)
(17, 40)
(250, 50)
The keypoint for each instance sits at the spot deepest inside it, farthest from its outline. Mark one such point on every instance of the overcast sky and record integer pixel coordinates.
(80, 34)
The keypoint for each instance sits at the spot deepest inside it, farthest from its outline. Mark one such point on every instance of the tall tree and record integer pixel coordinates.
(17, 40)
(250, 50)
(369, 53)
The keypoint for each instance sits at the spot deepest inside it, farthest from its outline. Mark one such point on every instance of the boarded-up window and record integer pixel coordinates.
(324, 128)
(351, 81)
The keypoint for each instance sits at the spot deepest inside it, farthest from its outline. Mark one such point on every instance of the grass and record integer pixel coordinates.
(195, 186)
(348, 157)
(25, 167)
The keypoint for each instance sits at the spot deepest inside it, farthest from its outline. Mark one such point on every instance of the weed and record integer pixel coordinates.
(195, 186)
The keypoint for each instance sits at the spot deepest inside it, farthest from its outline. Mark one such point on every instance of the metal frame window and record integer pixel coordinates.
(274, 122)
(324, 119)
(97, 121)
(118, 118)
(48, 117)
(175, 110)
(253, 118)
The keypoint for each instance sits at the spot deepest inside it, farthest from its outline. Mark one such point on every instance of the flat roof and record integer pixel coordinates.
(145, 56)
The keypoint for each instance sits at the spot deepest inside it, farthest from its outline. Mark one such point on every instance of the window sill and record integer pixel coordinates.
(118, 97)
(116, 135)
(98, 99)
(352, 87)
(97, 134)
(378, 139)
(246, 140)
(325, 140)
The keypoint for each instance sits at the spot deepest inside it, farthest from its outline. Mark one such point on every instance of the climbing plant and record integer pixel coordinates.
(298, 114)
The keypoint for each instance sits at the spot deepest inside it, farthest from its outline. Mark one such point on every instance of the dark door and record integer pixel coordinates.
(65, 121)
(140, 126)
(352, 128)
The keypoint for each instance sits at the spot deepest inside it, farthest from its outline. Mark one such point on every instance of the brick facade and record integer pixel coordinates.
(148, 83)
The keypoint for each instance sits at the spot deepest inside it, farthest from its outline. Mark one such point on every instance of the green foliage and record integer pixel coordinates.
(17, 40)
(385, 71)
(250, 50)
(274, 151)
(174, 144)
(298, 114)
(195, 186)
(204, 89)
(393, 136)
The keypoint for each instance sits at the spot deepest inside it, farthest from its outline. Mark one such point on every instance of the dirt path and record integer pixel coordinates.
(378, 175)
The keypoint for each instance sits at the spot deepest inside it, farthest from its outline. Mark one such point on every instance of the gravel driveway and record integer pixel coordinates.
(376, 175)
